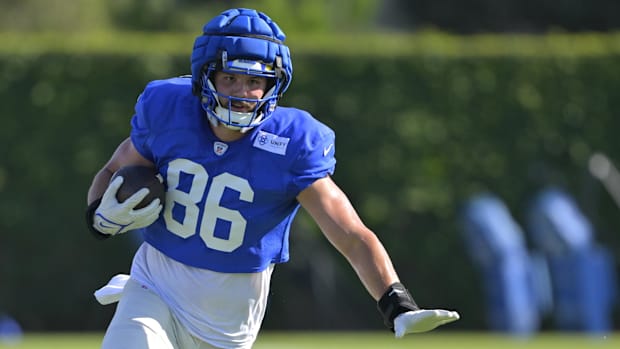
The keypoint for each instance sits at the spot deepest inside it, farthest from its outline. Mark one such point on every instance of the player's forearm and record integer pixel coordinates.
(99, 184)
(125, 154)
(373, 266)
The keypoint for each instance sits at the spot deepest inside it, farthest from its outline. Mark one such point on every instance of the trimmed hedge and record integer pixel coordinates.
(422, 122)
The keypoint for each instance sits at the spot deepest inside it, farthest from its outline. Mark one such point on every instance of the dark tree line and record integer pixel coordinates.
(529, 16)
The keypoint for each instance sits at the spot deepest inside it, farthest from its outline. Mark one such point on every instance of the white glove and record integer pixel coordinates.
(113, 217)
(422, 320)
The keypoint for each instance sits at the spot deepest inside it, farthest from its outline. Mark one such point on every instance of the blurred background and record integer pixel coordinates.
(478, 139)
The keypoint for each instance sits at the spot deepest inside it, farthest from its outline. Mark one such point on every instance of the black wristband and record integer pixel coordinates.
(90, 219)
(395, 301)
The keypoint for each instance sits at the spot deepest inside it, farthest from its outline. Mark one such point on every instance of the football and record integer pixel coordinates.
(136, 178)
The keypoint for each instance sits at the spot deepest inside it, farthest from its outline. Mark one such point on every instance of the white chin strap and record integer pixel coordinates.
(233, 117)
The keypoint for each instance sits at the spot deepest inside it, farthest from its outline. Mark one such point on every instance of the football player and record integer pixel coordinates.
(237, 168)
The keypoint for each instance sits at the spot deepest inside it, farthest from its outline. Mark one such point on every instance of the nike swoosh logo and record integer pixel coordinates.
(395, 291)
(105, 223)
(105, 226)
(327, 149)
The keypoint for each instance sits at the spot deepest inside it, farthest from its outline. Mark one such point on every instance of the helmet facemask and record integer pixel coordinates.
(223, 114)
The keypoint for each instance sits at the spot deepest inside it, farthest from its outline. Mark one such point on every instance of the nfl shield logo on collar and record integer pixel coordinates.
(219, 148)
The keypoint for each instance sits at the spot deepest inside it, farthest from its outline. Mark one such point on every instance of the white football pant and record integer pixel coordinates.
(143, 321)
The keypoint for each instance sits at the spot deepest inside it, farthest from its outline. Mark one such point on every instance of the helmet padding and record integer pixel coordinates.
(241, 41)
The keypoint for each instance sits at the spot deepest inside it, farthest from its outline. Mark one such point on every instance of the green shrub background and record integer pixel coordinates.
(422, 122)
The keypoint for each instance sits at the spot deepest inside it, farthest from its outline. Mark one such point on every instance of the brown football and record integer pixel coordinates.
(136, 178)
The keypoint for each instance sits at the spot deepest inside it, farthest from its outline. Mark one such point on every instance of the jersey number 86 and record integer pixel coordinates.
(190, 200)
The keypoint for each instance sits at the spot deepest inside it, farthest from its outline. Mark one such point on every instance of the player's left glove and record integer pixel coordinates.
(402, 315)
(422, 320)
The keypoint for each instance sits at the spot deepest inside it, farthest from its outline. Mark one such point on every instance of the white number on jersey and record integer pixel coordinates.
(213, 210)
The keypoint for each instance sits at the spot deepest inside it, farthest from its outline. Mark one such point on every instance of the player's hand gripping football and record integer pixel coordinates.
(422, 320)
(113, 217)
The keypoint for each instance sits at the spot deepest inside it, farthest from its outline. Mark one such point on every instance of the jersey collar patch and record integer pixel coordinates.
(219, 148)
(271, 143)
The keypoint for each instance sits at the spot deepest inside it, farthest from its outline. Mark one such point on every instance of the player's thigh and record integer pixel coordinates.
(204, 345)
(142, 320)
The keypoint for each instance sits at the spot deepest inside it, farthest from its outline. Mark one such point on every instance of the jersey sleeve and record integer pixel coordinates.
(316, 158)
(140, 127)
(159, 108)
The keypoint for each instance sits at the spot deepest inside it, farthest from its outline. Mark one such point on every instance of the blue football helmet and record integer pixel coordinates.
(241, 41)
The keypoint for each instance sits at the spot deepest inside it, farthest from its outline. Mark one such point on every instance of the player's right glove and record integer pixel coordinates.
(402, 315)
(111, 217)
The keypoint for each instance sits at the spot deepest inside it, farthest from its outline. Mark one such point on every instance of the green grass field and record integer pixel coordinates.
(357, 340)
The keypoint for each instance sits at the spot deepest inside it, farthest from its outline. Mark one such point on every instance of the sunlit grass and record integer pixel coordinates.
(356, 340)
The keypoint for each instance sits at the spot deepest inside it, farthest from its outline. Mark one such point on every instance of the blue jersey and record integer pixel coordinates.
(229, 205)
